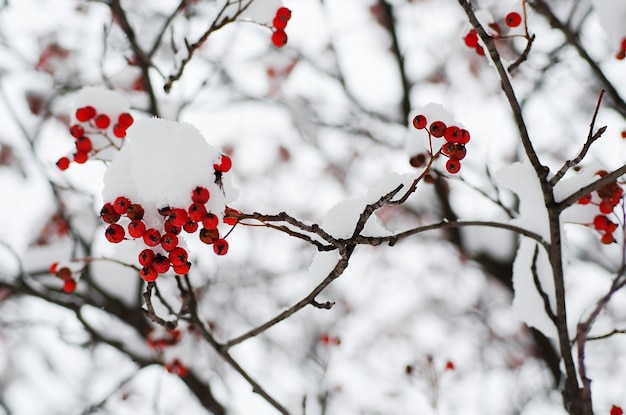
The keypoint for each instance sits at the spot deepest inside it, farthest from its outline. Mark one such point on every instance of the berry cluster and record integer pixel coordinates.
(621, 54)
(170, 338)
(454, 147)
(606, 199)
(91, 124)
(66, 275)
(279, 37)
(163, 251)
(511, 20)
(158, 344)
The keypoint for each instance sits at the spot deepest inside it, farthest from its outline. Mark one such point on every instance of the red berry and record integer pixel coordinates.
(178, 217)
(114, 233)
(279, 38)
(600, 222)
(452, 134)
(200, 195)
(471, 39)
(63, 163)
(616, 410)
(279, 23)
(69, 286)
(465, 136)
(453, 166)
(513, 19)
(108, 214)
(136, 228)
(220, 246)
(437, 129)
(85, 113)
(208, 236)
(210, 221)
(479, 50)
(83, 144)
(224, 165)
(197, 212)
(416, 161)
(119, 131)
(585, 200)
(77, 131)
(53, 268)
(169, 227)
(459, 152)
(420, 122)
(125, 120)
(449, 365)
(607, 238)
(81, 157)
(161, 264)
(121, 205)
(606, 207)
(135, 212)
(169, 241)
(231, 216)
(151, 237)
(182, 269)
(145, 257)
(148, 274)
(190, 226)
(102, 121)
(65, 274)
(283, 13)
(178, 256)
(448, 149)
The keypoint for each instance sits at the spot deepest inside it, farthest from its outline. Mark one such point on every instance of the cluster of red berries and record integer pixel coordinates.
(91, 123)
(176, 367)
(454, 147)
(170, 338)
(621, 54)
(279, 37)
(163, 251)
(511, 20)
(66, 275)
(607, 198)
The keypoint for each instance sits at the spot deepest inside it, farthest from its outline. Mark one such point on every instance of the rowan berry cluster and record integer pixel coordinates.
(511, 20)
(454, 148)
(162, 251)
(621, 54)
(66, 275)
(168, 339)
(606, 199)
(91, 124)
(279, 37)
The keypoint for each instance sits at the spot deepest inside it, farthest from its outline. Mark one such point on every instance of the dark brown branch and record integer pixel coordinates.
(542, 293)
(223, 351)
(143, 60)
(524, 55)
(602, 181)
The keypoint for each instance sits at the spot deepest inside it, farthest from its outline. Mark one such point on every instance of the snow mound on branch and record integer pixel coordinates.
(340, 221)
(161, 163)
(528, 305)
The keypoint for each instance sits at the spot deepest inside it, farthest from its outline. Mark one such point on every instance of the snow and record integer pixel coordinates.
(528, 305)
(260, 11)
(160, 165)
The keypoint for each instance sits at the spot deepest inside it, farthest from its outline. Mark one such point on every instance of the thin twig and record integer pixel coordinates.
(591, 138)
